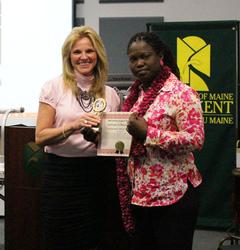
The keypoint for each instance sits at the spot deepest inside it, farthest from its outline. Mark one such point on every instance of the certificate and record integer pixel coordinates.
(114, 138)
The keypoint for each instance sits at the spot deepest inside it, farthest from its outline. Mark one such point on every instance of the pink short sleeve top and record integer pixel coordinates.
(68, 109)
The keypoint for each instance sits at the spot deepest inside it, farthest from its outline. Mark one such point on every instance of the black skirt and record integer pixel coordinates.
(73, 201)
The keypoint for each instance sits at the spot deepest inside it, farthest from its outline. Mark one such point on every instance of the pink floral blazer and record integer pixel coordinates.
(175, 130)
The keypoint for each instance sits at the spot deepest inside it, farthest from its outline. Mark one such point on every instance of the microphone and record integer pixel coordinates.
(5, 113)
(12, 110)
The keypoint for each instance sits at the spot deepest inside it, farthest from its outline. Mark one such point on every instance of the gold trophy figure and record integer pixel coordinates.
(99, 105)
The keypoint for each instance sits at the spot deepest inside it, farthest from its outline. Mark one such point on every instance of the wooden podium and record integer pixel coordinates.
(23, 229)
(22, 194)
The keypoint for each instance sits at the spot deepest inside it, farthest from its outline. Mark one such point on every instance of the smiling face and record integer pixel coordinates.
(83, 56)
(144, 62)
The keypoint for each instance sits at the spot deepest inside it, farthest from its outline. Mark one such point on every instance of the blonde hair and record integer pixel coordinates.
(101, 68)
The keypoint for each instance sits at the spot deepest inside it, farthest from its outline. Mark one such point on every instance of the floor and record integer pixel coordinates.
(207, 240)
(203, 240)
(1, 233)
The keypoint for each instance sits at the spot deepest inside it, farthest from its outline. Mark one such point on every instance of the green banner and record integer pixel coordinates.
(207, 56)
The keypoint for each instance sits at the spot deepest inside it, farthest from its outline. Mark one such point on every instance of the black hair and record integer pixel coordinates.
(153, 40)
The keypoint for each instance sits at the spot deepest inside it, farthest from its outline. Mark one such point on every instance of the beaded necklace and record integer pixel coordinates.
(85, 100)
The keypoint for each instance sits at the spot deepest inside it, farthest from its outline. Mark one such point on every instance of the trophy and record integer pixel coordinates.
(99, 105)
(90, 134)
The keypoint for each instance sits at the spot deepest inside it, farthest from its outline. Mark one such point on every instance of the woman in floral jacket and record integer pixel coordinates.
(167, 126)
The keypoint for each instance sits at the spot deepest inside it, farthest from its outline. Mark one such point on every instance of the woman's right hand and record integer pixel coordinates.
(90, 135)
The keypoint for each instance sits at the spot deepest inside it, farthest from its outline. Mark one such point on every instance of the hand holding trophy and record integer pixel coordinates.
(91, 134)
(99, 105)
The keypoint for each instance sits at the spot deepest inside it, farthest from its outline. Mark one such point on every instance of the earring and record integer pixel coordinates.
(161, 62)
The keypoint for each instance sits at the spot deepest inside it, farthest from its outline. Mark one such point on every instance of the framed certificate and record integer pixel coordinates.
(114, 138)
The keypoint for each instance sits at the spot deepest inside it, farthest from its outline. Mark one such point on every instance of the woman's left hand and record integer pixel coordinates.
(137, 127)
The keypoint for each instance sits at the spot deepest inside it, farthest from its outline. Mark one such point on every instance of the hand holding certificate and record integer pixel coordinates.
(114, 138)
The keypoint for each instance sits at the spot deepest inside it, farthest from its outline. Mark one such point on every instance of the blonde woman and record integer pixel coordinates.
(73, 176)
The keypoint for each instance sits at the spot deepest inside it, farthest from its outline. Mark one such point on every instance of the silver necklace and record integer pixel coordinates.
(85, 100)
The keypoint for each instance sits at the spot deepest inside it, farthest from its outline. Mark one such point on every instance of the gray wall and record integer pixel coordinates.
(110, 21)
(171, 10)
